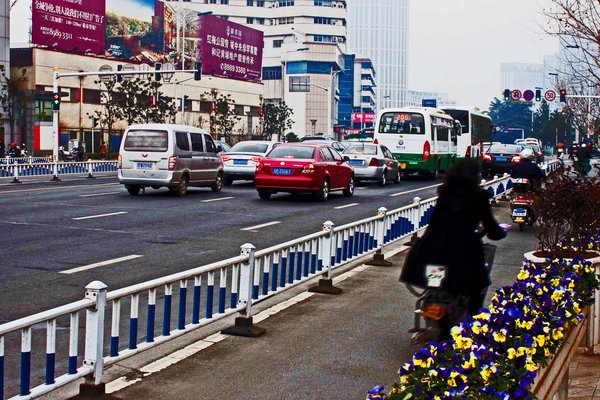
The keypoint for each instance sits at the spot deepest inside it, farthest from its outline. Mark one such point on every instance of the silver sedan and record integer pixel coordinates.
(373, 162)
(240, 162)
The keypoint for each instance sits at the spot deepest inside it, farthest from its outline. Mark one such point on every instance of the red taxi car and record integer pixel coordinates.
(304, 167)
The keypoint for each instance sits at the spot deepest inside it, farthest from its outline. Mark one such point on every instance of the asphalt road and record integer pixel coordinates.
(49, 228)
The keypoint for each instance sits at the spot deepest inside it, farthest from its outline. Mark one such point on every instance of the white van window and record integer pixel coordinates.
(145, 140)
(181, 138)
(402, 122)
(210, 145)
(197, 142)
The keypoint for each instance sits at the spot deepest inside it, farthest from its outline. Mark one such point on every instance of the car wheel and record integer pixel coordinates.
(382, 180)
(133, 190)
(182, 188)
(227, 181)
(218, 185)
(264, 194)
(398, 176)
(323, 193)
(350, 190)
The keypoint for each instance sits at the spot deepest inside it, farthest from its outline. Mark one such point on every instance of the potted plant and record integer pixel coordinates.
(568, 215)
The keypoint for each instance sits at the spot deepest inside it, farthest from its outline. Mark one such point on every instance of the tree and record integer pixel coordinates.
(12, 97)
(511, 114)
(107, 116)
(134, 105)
(222, 116)
(276, 119)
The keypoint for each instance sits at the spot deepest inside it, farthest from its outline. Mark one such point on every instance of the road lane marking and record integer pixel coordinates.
(414, 190)
(219, 199)
(100, 264)
(361, 188)
(100, 215)
(346, 206)
(252, 228)
(56, 188)
(99, 194)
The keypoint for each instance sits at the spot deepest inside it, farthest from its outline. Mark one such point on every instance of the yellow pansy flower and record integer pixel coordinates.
(500, 336)
(523, 275)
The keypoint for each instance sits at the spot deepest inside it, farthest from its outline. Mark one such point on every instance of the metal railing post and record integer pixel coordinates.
(16, 173)
(380, 229)
(325, 286)
(416, 219)
(94, 338)
(55, 171)
(90, 170)
(243, 324)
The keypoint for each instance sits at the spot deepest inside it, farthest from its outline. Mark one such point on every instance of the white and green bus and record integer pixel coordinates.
(423, 140)
(476, 130)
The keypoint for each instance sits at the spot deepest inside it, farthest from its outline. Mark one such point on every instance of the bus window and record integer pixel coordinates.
(402, 122)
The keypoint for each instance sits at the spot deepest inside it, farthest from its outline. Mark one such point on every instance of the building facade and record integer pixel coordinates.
(4, 56)
(304, 44)
(521, 76)
(378, 29)
(415, 99)
(81, 97)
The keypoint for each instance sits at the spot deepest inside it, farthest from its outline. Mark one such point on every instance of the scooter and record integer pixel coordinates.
(67, 155)
(521, 204)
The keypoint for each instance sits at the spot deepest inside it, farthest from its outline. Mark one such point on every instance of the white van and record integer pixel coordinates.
(175, 156)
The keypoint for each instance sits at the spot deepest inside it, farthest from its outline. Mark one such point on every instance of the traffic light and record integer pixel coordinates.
(538, 95)
(157, 74)
(506, 94)
(185, 99)
(55, 101)
(197, 70)
(563, 95)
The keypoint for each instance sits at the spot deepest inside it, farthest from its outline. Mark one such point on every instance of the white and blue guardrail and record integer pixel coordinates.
(17, 170)
(206, 294)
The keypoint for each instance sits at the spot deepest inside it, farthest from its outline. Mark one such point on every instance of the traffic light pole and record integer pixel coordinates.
(57, 75)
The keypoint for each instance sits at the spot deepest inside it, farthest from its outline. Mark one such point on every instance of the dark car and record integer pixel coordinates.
(539, 155)
(500, 158)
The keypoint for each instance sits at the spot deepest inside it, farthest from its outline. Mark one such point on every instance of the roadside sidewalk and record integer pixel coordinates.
(316, 345)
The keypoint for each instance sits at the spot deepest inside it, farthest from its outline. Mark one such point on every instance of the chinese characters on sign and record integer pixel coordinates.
(71, 25)
(229, 49)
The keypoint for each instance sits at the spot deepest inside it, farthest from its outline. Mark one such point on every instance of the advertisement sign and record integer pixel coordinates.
(73, 25)
(367, 118)
(229, 49)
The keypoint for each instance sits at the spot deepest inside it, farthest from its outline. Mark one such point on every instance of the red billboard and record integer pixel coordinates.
(72, 25)
(229, 49)
(364, 117)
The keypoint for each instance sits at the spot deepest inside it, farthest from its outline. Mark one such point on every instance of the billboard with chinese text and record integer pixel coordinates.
(72, 25)
(229, 49)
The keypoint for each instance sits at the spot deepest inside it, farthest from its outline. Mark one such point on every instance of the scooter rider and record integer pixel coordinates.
(527, 169)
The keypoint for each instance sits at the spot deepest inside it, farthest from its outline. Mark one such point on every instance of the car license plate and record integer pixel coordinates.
(240, 162)
(282, 171)
(504, 159)
(519, 212)
(355, 162)
(144, 165)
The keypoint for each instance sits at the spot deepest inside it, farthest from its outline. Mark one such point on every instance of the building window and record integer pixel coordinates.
(277, 43)
(260, 21)
(285, 21)
(323, 21)
(323, 38)
(249, 3)
(249, 20)
(323, 3)
(43, 110)
(299, 84)
(212, 1)
(224, 1)
(286, 3)
(271, 73)
(238, 109)
(92, 96)
(260, 3)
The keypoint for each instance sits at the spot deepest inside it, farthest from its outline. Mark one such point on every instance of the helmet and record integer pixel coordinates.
(13, 145)
(527, 153)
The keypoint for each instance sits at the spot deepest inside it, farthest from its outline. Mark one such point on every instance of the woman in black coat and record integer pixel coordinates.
(451, 238)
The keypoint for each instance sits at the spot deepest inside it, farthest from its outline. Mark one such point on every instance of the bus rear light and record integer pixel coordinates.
(172, 162)
(119, 162)
(468, 152)
(376, 141)
(426, 150)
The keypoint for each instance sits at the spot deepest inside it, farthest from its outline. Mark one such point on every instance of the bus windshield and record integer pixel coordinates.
(402, 122)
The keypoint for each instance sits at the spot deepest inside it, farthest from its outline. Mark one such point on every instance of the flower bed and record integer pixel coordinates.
(498, 353)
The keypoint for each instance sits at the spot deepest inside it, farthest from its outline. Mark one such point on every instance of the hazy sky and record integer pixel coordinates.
(457, 46)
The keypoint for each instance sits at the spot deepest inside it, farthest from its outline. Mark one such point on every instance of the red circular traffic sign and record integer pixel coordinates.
(528, 95)
(515, 95)
(550, 95)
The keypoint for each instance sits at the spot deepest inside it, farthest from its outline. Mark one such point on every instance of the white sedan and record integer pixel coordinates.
(240, 162)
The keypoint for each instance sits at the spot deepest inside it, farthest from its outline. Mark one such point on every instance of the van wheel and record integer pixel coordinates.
(133, 190)
(264, 194)
(182, 188)
(218, 185)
